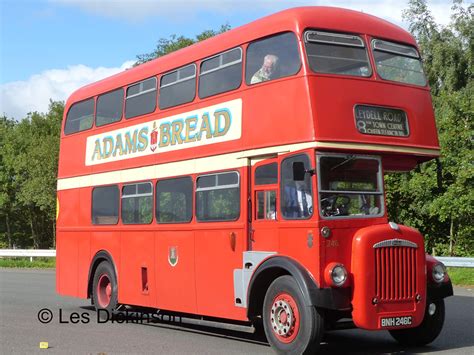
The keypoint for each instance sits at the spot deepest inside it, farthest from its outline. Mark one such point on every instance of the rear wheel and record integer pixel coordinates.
(427, 331)
(105, 288)
(291, 327)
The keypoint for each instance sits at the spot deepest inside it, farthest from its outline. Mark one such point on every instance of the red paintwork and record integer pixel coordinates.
(301, 108)
(333, 109)
(365, 314)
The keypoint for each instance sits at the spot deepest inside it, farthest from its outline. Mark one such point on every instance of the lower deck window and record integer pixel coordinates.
(218, 197)
(266, 205)
(105, 205)
(137, 203)
(174, 200)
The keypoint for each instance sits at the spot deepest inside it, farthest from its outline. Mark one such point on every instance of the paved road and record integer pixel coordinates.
(24, 292)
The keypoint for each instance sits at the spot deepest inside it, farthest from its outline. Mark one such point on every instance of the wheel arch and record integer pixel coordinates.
(99, 257)
(267, 272)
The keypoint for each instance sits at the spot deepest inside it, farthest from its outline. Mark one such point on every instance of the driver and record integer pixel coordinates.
(304, 198)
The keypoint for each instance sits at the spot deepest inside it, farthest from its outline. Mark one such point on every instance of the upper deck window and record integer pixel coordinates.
(336, 53)
(141, 98)
(178, 87)
(109, 107)
(272, 58)
(221, 73)
(80, 117)
(398, 62)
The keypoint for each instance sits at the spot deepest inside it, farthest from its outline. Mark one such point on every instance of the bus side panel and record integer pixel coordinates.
(108, 240)
(301, 242)
(175, 270)
(71, 160)
(67, 243)
(68, 204)
(83, 263)
(137, 268)
(277, 113)
(217, 256)
(84, 243)
(67, 262)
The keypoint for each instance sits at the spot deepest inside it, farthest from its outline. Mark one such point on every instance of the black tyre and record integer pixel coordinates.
(427, 331)
(291, 327)
(104, 289)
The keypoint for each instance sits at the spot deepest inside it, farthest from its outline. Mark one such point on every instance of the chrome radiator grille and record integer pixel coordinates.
(395, 271)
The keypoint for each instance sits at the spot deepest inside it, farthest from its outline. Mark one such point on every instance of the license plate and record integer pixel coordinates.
(390, 322)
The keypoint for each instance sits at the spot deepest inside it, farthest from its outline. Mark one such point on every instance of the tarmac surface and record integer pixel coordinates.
(76, 329)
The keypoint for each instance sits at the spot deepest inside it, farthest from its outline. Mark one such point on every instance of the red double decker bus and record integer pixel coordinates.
(241, 178)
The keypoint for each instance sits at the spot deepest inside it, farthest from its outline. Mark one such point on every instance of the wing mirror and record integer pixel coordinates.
(299, 171)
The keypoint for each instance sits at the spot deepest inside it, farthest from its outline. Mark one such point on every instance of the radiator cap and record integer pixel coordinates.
(394, 226)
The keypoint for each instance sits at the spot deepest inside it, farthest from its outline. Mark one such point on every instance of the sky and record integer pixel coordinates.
(49, 48)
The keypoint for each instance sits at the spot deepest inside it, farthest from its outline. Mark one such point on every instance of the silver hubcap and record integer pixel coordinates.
(281, 318)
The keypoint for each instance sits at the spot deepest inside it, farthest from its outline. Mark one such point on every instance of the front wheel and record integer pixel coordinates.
(427, 331)
(291, 327)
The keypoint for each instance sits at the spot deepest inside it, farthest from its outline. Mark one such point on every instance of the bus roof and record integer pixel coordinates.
(296, 20)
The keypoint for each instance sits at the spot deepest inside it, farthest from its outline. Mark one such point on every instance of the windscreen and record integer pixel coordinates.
(398, 62)
(350, 186)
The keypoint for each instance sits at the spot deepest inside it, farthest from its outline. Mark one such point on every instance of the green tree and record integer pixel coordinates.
(7, 193)
(29, 169)
(168, 45)
(438, 197)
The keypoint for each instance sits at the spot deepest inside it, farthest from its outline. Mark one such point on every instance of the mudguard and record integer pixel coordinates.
(273, 267)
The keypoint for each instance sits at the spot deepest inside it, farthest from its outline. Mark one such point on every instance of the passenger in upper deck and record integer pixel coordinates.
(267, 70)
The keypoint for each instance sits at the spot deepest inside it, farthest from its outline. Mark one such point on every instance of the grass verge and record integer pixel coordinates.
(461, 276)
(37, 263)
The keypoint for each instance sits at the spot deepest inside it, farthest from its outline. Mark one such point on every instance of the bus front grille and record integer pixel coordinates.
(395, 273)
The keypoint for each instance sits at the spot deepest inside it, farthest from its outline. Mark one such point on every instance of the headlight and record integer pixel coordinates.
(438, 273)
(336, 274)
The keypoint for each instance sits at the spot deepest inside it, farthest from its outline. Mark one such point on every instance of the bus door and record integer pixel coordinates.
(296, 226)
(264, 195)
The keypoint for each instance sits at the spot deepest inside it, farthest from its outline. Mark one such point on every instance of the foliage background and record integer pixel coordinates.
(437, 197)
